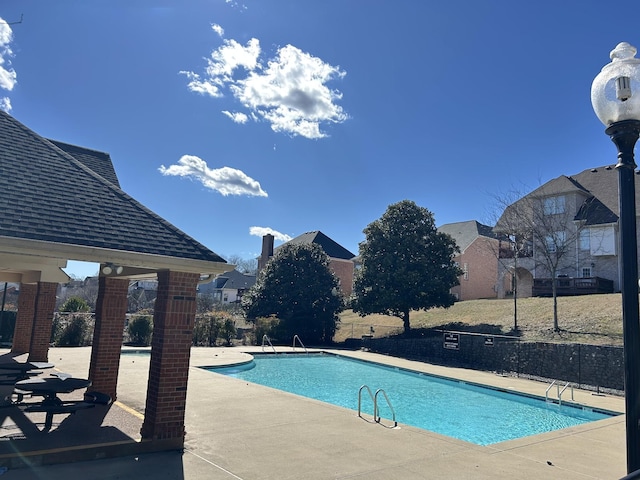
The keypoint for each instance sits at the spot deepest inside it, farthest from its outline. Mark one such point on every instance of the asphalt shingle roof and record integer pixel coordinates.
(330, 247)
(99, 162)
(594, 212)
(602, 182)
(49, 195)
(234, 280)
(464, 233)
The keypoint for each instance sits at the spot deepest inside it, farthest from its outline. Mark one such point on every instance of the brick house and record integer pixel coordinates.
(341, 260)
(575, 216)
(477, 259)
(62, 202)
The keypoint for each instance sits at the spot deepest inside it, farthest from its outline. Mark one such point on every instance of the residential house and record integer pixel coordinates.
(142, 294)
(477, 259)
(341, 260)
(565, 231)
(228, 287)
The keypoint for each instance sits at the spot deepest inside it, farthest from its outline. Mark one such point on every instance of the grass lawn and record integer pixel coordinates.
(593, 319)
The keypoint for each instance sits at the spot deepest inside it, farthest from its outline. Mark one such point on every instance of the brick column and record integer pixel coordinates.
(111, 311)
(42, 320)
(24, 318)
(173, 319)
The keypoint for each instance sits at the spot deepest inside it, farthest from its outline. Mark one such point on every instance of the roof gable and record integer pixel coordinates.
(465, 233)
(233, 280)
(99, 162)
(602, 182)
(330, 247)
(237, 280)
(50, 196)
(558, 186)
(594, 212)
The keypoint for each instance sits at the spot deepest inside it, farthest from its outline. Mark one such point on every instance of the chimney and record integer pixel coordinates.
(267, 250)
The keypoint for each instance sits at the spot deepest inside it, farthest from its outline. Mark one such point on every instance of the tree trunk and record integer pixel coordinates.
(515, 291)
(405, 321)
(554, 292)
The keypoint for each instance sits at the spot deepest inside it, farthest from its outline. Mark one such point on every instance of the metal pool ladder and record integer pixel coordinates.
(266, 339)
(301, 344)
(374, 399)
(560, 392)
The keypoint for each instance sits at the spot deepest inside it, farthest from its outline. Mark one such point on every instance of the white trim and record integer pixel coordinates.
(21, 256)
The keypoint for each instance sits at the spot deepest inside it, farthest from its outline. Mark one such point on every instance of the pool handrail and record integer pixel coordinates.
(375, 407)
(360, 400)
(265, 337)
(559, 392)
(374, 398)
(301, 344)
(546, 393)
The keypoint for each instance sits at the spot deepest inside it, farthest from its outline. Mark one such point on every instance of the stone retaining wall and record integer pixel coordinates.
(587, 366)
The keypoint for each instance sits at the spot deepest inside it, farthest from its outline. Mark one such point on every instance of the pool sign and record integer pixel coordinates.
(452, 341)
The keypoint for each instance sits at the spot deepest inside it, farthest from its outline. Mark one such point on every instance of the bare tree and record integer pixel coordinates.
(204, 302)
(248, 266)
(88, 292)
(514, 241)
(542, 230)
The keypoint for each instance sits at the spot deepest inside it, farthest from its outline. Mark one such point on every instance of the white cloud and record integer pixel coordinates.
(290, 93)
(8, 75)
(237, 117)
(262, 231)
(5, 104)
(198, 86)
(235, 4)
(225, 180)
(228, 58)
(218, 29)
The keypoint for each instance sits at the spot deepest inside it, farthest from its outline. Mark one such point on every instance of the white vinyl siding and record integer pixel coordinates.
(603, 241)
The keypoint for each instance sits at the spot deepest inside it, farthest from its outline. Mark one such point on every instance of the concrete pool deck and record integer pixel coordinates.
(237, 430)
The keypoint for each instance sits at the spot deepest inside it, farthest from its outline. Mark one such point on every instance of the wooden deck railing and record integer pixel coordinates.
(542, 287)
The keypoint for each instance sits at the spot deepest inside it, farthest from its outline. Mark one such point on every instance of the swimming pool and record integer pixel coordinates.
(457, 409)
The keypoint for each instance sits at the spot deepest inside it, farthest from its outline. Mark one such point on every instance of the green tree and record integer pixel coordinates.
(140, 329)
(406, 264)
(74, 304)
(297, 287)
(228, 331)
(75, 333)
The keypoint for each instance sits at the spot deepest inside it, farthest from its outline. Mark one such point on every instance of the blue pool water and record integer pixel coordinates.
(468, 412)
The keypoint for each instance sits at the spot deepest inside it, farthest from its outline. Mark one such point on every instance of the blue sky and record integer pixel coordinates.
(235, 118)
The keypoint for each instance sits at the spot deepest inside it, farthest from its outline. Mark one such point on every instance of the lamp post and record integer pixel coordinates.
(615, 96)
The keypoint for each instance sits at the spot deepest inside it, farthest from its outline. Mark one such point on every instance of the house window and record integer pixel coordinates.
(586, 272)
(555, 242)
(585, 239)
(553, 205)
(465, 270)
(603, 240)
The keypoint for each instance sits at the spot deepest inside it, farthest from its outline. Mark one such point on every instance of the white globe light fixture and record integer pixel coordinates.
(615, 92)
(615, 96)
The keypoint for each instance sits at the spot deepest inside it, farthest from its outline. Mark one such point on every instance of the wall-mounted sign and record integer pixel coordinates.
(488, 341)
(452, 341)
